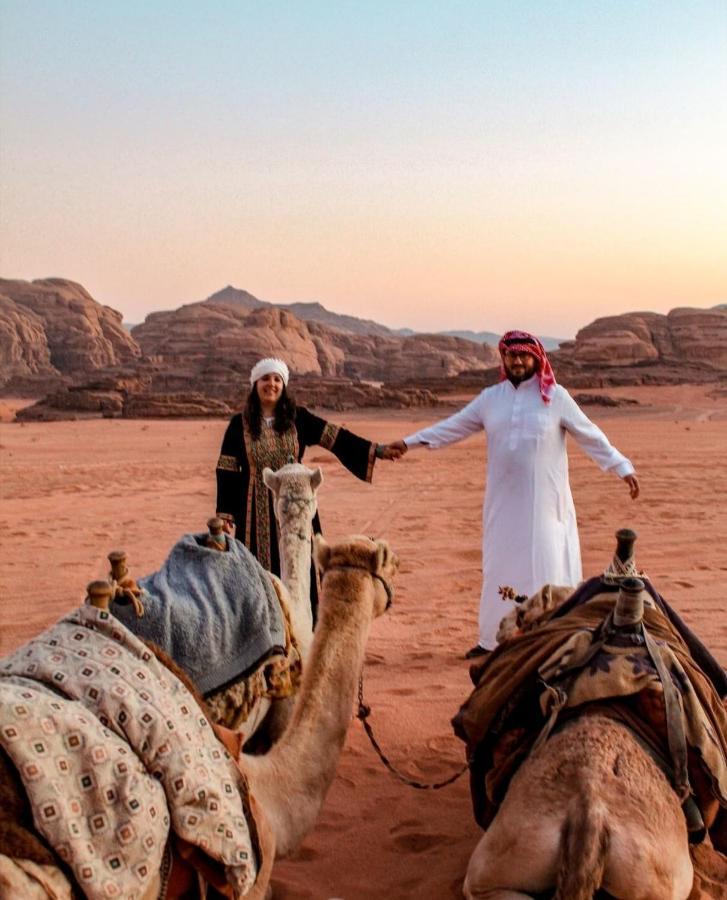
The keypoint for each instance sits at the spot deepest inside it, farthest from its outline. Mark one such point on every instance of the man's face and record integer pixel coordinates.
(519, 365)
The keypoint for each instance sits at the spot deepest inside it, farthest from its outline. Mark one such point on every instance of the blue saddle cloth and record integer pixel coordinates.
(215, 613)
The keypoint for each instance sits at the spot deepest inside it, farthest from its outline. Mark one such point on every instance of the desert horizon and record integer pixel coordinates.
(74, 490)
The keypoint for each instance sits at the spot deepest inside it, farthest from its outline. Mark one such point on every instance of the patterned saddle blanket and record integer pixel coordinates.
(113, 752)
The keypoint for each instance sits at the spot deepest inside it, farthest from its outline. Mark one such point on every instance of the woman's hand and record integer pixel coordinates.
(395, 450)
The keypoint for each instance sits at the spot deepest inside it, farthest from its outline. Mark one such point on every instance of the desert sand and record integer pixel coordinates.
(73, 491)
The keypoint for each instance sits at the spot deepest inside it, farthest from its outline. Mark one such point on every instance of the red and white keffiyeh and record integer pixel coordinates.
(528, 343)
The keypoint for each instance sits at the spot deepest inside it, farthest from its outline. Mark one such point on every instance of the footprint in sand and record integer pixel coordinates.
(420, 841)
(684, 584)
(403, 692)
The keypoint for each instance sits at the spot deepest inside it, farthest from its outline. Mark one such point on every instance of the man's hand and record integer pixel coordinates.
(633, 482)
(394, 450)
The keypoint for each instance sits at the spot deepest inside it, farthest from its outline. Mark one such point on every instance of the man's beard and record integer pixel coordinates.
(518, 379)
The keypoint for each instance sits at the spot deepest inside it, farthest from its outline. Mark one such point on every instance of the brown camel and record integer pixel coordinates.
(590, 809)
(288, 785)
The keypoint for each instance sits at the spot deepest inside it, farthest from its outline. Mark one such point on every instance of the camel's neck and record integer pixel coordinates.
(292, 780)
(295, 559)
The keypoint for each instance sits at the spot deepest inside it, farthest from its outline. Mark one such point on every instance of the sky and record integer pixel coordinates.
(480, 165)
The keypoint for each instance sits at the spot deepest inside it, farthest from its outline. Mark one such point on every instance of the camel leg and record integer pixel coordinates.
(649, 869)
(513, 857)
(498, 894)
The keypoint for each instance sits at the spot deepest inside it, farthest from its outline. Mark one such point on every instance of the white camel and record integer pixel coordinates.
(294, 488)
(288, 785)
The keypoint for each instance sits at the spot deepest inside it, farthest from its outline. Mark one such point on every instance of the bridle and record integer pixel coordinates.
(374, 575)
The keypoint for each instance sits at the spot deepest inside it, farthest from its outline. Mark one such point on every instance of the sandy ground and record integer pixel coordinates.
(72, 491)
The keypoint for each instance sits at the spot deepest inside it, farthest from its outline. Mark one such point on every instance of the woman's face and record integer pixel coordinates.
(269, 388)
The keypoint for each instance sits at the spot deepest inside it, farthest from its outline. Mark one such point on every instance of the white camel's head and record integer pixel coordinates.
(294, 488)
(360, 552)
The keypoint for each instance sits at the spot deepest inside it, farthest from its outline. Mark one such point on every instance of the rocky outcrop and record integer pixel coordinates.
(24, 350)
(141, 401)
(603, 400)
(206, 333)
(61, 329)
(211, 333)
(687, 345)
(700, 336)
(306, 312)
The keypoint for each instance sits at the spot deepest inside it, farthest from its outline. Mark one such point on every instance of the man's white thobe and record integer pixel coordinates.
(530, 534)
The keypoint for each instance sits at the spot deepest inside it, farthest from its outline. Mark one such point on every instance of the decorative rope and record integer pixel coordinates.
(617, 570)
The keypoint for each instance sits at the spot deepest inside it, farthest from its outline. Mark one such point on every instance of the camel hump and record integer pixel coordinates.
(584, 845)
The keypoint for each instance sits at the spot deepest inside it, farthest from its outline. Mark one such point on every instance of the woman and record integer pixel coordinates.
(270, 432)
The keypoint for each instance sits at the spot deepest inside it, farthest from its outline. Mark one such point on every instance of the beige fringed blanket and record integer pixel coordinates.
(113, 751)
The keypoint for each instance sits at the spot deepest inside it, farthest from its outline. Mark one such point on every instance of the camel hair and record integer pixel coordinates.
(294, 488)
(287, 785)
(590, 809)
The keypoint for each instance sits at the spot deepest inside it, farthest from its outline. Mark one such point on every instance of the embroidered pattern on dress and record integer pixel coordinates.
(228, 463)
(271, 450)
(329, 435)
(371, 462)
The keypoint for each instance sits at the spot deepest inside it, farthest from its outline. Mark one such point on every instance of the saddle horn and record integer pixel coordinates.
(625, 540)
(117, 561)
(629, 610)
(98, 594)
(216, 537)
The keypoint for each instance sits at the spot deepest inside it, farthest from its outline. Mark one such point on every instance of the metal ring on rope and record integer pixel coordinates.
(363, 713)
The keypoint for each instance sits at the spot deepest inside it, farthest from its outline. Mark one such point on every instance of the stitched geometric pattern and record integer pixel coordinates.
(113, 750)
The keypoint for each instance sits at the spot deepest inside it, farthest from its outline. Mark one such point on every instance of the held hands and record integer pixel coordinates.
(395, 450)
(633, 482)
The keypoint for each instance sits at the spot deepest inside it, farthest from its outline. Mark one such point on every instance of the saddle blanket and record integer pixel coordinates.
(215, 613)
(113, 751)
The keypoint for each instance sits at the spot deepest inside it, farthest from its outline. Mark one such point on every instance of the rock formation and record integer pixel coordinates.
(56, 340)
(54, 327)
(686, 345)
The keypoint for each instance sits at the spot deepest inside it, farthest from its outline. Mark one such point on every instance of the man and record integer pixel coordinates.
(530, 535)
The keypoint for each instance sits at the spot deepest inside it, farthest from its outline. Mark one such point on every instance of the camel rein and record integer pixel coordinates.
(364, 711)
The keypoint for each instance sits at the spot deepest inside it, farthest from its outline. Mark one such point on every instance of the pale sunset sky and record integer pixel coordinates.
(429, 164)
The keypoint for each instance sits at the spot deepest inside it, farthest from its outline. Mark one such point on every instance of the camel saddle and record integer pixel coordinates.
(575, 664)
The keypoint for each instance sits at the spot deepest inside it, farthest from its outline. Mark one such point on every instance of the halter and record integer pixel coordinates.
(375, 575)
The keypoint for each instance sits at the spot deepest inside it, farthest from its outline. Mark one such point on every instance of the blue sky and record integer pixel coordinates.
(436, 165)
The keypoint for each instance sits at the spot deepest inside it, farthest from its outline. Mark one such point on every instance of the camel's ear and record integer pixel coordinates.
(271, 479)
(378, 561)
(316, 478)
(321, 552)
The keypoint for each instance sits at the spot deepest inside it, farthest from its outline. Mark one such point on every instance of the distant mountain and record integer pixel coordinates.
(309, 312)
(489, 337)
(315, 312)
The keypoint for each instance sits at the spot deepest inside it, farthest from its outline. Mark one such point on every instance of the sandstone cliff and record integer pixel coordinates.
(54, 327)
(209, 333)
(686, 345)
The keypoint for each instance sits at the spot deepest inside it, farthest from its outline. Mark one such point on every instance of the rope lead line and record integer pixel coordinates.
(363, 713)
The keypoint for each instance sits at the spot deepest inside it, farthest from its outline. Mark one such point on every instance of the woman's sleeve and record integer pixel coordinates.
(229, 468)
(355, 453)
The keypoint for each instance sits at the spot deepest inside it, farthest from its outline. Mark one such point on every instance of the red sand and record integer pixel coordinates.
(72, 491)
